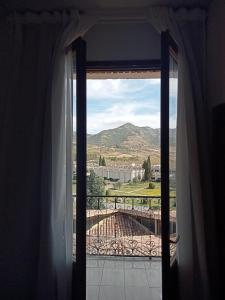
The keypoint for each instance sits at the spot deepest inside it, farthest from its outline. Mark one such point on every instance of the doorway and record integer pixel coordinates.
(97, 233)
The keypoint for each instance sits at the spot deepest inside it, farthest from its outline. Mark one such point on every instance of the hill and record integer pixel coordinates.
(130, 136)
(126, 144)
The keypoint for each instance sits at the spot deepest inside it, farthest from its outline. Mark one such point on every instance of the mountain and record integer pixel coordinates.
(129, 136)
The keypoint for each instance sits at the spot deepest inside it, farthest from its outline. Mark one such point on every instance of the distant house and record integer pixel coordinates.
(156, 173)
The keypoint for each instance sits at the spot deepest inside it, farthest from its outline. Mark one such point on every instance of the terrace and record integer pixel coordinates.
(123, 247)
(120, 278)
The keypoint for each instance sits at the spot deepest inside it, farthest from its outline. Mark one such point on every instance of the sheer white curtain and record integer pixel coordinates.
(41, 123)
(187, 27)
(62, 131)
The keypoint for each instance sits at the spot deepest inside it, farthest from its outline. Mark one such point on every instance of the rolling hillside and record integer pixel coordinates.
(126, 144)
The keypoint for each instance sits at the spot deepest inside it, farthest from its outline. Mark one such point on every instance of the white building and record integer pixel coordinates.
(156, 173)
(123, 174)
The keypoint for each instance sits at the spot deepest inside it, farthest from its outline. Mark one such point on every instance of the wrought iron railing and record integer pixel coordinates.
(125, 225)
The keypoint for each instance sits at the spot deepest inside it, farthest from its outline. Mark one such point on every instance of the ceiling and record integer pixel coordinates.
(7, 6)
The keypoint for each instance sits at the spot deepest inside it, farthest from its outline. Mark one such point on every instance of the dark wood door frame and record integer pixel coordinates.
(79, 269)
(168, 48)
(81, 68)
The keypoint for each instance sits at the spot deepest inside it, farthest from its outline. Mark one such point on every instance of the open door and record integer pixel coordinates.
(168, 171)
(169, 72)
(79, 276)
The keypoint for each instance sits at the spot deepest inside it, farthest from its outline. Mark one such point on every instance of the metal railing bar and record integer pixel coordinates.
(129, 239)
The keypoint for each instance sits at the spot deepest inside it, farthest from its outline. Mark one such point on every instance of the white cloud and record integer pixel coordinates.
(115, 116)
(127, 101)
(117, 88)
(99, 122)
(105, 89)
(153, 81)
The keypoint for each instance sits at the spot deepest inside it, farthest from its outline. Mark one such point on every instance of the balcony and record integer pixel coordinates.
(120, 278)
(126, 226)
(123, 246)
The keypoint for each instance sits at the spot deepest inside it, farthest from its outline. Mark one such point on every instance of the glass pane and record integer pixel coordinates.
(173, 84)
(123, 227)
(123, 168)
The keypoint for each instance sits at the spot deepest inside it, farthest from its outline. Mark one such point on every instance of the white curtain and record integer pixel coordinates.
(41, 123)
(187, 27)
(62, 132)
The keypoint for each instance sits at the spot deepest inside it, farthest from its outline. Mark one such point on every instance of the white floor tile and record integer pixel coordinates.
(111, 293)
(92, 292)
(94, 276)
(138, 293)
(113, 277)
(154, 278)
(136, 277)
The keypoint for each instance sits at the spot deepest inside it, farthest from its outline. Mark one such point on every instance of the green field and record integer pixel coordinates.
(137, 189)
(141, 189)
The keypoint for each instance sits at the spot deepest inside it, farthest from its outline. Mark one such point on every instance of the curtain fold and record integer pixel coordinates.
(187, 27)
(25, 160)
(40, 125)
(62, 132)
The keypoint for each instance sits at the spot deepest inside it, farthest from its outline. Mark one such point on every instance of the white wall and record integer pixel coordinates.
(123, 41)
(216, 53)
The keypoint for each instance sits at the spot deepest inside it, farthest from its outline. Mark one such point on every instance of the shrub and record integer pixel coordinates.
(151, 186)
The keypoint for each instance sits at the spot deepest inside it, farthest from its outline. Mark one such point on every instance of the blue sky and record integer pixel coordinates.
(114, 102)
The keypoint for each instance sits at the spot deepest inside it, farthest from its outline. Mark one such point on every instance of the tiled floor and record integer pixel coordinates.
(123, 278)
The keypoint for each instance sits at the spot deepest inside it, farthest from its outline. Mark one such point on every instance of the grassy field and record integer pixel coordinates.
(141, 189)
(131, 189)
(137, 189)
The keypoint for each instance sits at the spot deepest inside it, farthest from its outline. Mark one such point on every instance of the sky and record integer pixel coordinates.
(114, 102)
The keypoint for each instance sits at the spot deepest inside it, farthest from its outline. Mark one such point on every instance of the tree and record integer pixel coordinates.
(147, 167)
(95, 187)
(103, 162)
(100, 161)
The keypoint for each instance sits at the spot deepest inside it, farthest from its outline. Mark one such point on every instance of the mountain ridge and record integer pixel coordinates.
(129, 135)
